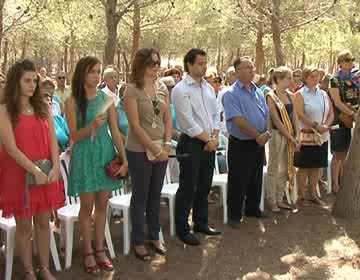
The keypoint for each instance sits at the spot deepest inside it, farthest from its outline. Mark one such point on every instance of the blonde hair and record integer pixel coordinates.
(306, 72)
(280, 73)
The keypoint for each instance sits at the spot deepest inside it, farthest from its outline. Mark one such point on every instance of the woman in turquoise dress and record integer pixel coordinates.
(93, 148)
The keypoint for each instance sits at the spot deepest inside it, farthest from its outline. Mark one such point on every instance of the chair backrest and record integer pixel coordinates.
(64, 169)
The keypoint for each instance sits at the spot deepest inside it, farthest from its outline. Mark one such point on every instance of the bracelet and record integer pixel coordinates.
(158, 153)
(168, 143)
(268, 133)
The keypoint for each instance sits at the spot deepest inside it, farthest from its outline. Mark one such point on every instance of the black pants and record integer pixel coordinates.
(196, 173)
(147, 180)
(246, 161)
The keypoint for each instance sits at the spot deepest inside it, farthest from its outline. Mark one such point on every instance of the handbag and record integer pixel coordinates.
(346, 119)
(112, 167)
(45, 166)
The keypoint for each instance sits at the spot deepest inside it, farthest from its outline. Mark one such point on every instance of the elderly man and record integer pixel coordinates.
(247, 119)
(62, 91)
(198, 120)
(111, 80)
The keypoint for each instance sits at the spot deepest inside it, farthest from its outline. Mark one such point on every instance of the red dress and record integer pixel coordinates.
(33, 139)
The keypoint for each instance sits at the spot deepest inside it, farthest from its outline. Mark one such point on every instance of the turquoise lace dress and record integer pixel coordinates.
(88, 158)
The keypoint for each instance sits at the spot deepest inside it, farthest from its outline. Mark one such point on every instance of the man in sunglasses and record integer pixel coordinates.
(62, 91)
(344, 93)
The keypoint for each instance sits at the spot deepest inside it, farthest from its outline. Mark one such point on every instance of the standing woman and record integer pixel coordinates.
(147, 107)
(92, 150)
(314, 110)
(284, 139)
(28, 135)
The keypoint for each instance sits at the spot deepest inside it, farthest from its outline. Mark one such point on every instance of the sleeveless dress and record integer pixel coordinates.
(88, 158)
(33, 139)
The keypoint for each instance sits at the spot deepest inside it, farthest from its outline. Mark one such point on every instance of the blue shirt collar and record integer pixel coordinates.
(240, 85)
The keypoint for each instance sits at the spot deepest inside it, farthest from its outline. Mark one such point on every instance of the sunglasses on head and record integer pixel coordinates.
(349, 59)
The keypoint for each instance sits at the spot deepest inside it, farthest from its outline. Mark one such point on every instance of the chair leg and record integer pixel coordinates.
(287, 193)
(9, 249)
(126, 220)
(161, 236)
(224, 201)
(329, 179)
(261, 206)
(69, 236)
(108, 240)
(318, 191)
(54, 251)
(62, 235)
(172, 215)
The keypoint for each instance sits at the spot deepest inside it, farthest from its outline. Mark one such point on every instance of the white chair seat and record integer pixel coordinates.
(221, 181)
(69, 212)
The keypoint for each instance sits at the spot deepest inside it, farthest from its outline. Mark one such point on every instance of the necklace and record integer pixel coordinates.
(28, 110)
(154, 104)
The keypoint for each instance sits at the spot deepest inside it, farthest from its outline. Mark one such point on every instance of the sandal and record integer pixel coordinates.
(317, 201)
(161, 250)
(94, 269)
(104, 265)
(303, 202)
(144, 257)
(30, 275)
(45, 274)
(283, 206)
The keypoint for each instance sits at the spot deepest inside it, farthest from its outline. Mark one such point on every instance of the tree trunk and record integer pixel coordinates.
(347, 203)
(169, 60)
(2, 3)
(23, 49)
(6, 55)
(218, 54)
(112, 21)
(276, 34)
(260, 54)
(127, 67)
(237, 52)
(303, 60)
(66, 66)
(136, 29)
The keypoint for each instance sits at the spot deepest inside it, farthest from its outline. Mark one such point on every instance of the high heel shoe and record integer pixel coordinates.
(161, 250)
(94, 269)
(104, 265)
(143, 257)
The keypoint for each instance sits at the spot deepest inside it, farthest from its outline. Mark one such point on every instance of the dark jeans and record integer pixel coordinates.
(246, 160)
(196, 173)
(147, 180)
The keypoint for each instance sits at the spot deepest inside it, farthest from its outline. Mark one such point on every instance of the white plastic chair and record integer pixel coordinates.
(68, 215)
(221, 179)
(9, 226)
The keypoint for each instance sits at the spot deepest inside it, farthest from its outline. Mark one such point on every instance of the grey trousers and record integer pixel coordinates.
(147, 180)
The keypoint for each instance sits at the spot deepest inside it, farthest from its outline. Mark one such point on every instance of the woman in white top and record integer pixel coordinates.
(315, 113)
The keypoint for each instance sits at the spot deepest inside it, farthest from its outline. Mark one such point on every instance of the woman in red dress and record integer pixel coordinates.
(28, 134)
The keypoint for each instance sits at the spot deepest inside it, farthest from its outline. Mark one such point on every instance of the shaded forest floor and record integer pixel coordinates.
(309, 244)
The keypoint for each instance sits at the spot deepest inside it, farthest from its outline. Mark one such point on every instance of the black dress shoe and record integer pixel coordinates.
(189, 239)
(207, 230)
(259, 215)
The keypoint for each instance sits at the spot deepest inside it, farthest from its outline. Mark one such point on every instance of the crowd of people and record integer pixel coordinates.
(98, 121)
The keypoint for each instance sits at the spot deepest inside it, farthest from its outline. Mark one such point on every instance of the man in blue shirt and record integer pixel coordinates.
(247, 121)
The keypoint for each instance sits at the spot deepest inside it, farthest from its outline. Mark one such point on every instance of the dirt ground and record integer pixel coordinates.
(309, 244)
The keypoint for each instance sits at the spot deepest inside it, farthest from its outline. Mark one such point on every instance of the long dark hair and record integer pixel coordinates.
(143, 58)
(84, 65)
(12, 92)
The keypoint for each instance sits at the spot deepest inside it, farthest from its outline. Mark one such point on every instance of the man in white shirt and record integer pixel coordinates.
(111, 79)
(198, 120)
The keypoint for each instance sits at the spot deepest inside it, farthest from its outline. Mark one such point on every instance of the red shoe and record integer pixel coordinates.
(90, 269)
(105, 265)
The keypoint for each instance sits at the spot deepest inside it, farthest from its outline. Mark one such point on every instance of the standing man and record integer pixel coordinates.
(198, 120)
(62, 90)
(247, 120)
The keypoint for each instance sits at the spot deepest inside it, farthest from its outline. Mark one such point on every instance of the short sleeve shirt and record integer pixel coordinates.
(348, 94)
(146, 115)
